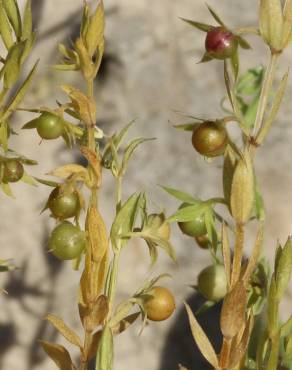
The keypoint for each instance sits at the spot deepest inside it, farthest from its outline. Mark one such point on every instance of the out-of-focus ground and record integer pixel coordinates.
(149, 71)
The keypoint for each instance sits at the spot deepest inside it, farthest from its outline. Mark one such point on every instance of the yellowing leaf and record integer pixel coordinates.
(233, 311)
(83, 105)
(64, 330)
(202, 340)
(94, 161)
(255, 255)
(226, 253)
(94, 36)
(13, 15)
(97, 234)
(67, 170)
(242, 190)
(5, 29)
(98, 313)
(271, 22)
(58, 354)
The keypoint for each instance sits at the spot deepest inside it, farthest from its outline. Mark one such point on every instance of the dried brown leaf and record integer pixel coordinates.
(202, 340)
(58, 354)
(94, 161)
(226, 253)
(64, 330)
(233, 311)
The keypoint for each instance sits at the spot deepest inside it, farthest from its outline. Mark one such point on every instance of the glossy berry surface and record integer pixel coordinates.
(212, 283)
(160, 305)
(210, 139)
(63, 206)
(194, 228)
(221, 43)
(13, 171)
(49, 126)
(67, 241)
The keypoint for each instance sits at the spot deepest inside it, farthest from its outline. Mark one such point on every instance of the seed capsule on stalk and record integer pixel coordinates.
(49, 126)
(221, 43)
(64, 205)
(160, 305)
(210, 139)
(212, 282)
(13, 170)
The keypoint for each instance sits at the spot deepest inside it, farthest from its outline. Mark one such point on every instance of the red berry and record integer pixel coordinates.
(221, 43)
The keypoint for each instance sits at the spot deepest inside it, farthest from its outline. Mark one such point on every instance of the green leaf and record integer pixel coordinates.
(180, 195)
(13, 15)
(152, 237)
(243, 43)
(27, 22)
(18, 97)
(211, 228)
(125, 219)
(26, 178)
(260, 212)
(30, 125)
(235, 64)
(131, 147)
(7, 189)
(104, 357)
(215, 16)
(5, 29)
(12, 67)
(4, 135)
(283, 268)
(94, 35)
(251, 82)
(286, 329)
(201, 26)
(205, 58)
(186, 126)
(188, 213)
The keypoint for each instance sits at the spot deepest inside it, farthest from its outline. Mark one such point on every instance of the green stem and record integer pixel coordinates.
(265, 92)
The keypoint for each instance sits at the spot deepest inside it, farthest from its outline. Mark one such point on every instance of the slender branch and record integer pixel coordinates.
(265, 92)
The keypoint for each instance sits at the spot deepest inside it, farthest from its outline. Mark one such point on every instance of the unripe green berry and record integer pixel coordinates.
(13, 170)
(194, 228)
(212, 283)
(49, 126)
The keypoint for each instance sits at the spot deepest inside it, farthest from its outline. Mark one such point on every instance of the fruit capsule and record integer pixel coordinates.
(203, 241)
(67, 241)
(210, 139)
(221, 43)
(13, 170)
(49, 126)
(157, 221)
(212, 282)
(160, 305)
(63, 206)
(194, 228)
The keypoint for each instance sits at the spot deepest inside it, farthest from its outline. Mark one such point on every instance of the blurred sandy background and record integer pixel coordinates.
(149, 71)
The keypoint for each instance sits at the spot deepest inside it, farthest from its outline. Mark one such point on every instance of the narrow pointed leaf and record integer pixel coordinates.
(215, 16)
(27, 21)
(188, 213)
(226, 251)
(202, 340)
(180, 195)
(58, 354)
(13, 15)
(64, 330)
(255, 255)
(271, 22)
(5, 28)
(18, 97)
(201, 26)
(104, 358)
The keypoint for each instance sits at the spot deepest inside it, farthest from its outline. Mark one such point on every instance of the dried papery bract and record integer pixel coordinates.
(253, 106)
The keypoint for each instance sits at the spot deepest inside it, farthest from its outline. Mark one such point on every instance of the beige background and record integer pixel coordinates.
(150, 71)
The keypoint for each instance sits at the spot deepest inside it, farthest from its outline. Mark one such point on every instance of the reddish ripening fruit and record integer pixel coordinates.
(49, 126)
(212, 282)
(221, 43)
(194, 228)
(160, 305)
(203, 241)
(13, 171)
(63, 206)
(67, 241)
(210, 139)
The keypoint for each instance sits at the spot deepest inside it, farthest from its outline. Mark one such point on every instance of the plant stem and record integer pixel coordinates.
(265, 92)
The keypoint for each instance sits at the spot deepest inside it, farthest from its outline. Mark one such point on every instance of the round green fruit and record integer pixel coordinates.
(13, 170)
(210, 139)
(194, 228)
(160, 305)
(67, 241)
(49, 126)
(63, 206)
(212, 283)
